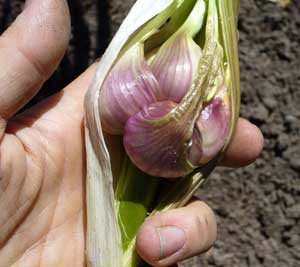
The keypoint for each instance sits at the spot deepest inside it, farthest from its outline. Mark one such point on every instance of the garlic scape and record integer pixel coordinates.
(168, 86)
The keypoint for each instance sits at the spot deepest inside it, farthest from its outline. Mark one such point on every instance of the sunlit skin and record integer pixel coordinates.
(42, 155)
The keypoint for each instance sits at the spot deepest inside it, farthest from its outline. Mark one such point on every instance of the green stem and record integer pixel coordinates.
(228, 10)
(134, 197)
(195, 20)
(173, 24)
(152, 27)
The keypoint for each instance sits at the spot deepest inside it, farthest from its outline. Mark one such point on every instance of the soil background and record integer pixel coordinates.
(258, 207)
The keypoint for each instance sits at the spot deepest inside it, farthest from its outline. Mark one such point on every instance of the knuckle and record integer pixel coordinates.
(205, 226)
(204, 211)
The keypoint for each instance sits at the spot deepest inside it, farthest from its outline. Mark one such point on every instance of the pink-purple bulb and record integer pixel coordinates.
(136, 97)
(175, 67)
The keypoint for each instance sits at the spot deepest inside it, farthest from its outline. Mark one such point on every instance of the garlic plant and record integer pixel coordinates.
(164, 104)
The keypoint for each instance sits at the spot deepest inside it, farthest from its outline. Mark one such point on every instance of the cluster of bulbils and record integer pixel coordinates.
(148, 102)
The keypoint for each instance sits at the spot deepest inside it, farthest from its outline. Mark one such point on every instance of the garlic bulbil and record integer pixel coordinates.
(175, 66)
(129, 86)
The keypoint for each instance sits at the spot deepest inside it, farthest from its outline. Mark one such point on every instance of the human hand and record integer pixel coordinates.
(42, 158)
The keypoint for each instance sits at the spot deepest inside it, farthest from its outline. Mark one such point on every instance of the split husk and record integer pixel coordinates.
(119, 195)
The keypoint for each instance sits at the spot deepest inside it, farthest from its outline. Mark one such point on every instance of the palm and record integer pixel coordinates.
(42, 188)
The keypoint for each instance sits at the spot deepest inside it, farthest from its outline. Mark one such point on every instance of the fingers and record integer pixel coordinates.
(30, 50)
(246, 146)
(176, 235)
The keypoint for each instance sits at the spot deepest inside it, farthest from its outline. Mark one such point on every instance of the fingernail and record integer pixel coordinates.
(172, 240)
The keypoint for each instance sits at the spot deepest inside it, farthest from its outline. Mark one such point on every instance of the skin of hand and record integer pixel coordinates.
(42, 158)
